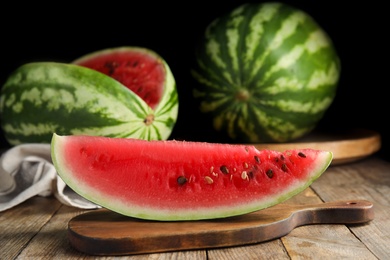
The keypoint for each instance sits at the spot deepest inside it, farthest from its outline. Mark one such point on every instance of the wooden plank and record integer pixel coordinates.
(325, 242)
(267, 250)
(322, 241)
(368, 179)
(52, 242)
(20, 224)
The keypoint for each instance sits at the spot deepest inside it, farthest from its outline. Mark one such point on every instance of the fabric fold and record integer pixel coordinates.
(26, 171)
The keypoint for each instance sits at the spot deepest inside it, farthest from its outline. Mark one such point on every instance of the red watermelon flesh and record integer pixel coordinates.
(181, 180)
(138, 69)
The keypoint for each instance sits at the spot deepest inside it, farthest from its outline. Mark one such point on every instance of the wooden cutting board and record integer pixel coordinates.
(103, 232)
(347, 145)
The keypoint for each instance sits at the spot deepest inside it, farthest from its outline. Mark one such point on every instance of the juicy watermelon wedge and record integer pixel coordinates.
(181, 180)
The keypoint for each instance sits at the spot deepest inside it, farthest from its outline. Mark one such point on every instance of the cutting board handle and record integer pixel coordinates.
(337, 212)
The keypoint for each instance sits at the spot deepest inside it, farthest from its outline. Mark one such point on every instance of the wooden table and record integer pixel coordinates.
(37, 228)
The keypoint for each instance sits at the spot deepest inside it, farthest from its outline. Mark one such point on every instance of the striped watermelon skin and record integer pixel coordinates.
(42, 98)
(266, 73)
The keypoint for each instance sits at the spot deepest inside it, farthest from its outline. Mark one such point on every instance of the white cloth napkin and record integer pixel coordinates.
(26, 170)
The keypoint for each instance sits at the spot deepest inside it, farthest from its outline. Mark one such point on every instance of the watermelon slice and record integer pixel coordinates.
(171, 180)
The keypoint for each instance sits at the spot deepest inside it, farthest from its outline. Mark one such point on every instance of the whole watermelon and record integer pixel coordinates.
(266, 72)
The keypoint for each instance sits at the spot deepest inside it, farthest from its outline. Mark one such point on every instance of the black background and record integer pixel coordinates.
(64, 31)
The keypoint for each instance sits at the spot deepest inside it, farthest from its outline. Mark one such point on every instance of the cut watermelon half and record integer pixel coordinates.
(118, 92)
(180, 180)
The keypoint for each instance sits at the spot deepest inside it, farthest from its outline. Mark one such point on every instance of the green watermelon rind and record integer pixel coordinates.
(322, 162)
(41, 98)
(249, 52)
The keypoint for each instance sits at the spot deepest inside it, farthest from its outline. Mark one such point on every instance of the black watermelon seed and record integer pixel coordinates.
(270, 173)
(301, 155)
(181, 180)
(257, 159)
(224, 169)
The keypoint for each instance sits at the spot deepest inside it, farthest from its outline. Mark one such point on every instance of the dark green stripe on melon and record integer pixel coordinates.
(267, 73)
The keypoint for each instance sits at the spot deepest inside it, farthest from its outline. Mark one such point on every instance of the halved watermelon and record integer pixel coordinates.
(135, 97)
(173, 180)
